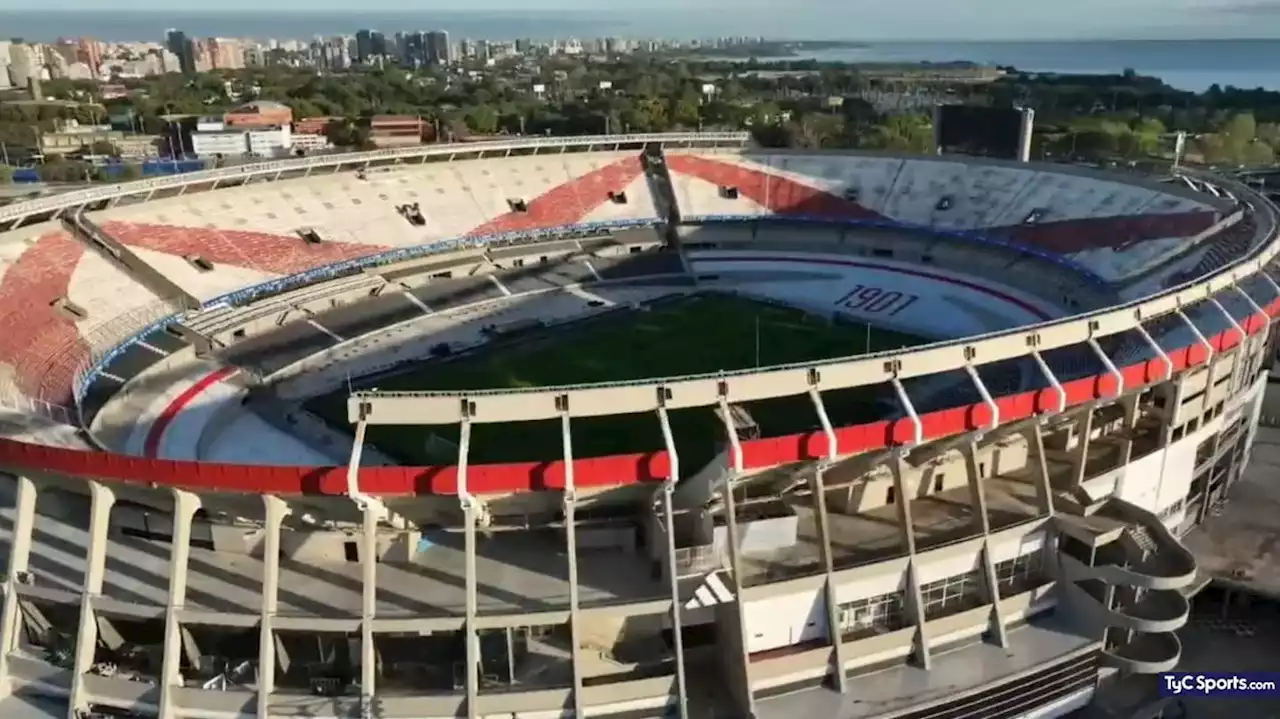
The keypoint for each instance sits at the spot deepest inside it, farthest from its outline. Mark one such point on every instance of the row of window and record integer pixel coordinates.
(941, 598)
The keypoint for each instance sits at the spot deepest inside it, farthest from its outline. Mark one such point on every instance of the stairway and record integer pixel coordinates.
(1143, 539)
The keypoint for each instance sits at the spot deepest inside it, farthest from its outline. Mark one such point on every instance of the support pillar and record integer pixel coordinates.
(275, 511)
(571, 550)
(996, 624)
(673, 569)
(731, 526)
(101, 499)
(838, 660)
(472, 642)
(817, 485)
(185, 505)
(1084, 439)
(368, 611)
(914, 600)
(24, 523)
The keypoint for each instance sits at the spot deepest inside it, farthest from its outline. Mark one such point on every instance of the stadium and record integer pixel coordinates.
(618, 426)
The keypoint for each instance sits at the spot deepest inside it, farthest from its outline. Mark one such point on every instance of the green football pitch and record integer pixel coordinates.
(674, 336)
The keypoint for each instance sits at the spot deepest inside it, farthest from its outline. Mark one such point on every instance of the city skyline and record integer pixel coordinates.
(815, 19)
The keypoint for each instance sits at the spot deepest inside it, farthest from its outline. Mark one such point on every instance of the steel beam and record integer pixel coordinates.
(1159, 351)
(1111, 366)
(917, 426)
(1053, 380)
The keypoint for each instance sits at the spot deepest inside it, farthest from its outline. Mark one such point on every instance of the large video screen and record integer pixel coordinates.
(982, 131)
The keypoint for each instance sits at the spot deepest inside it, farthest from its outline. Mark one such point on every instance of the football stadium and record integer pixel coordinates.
(618, 426)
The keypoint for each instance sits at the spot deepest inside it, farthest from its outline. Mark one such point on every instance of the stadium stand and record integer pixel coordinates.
(1001, 583)
(58, 306)
(1055, 212)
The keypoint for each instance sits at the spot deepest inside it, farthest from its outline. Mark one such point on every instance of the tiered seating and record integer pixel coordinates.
(237, 258)
(555, 205)
(1229, 245)
(250, 233)
(698, 181)
(1051, 211)
(57, 305)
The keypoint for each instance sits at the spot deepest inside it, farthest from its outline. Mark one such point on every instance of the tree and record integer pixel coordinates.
(1242, 127)
(482, 119)
(6, 174)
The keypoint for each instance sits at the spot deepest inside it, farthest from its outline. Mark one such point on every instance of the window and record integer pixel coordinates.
(938, 482)
(948, 596)
(1020, 574)
(873, 615)
(890, 496)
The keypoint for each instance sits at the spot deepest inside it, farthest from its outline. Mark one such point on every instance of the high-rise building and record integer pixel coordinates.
(90, 53)
(438, 48)
(5, 82)
(177, 43)
(415, 50)
(201, 55)
(24, 63)
(378, 45)
(364, 46)
(227, 53)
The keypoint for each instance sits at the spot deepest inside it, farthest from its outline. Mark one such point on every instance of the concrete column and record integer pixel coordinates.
(731, 521)
(469, 510)
(978, 495)
(24, 523)
(1040, 468)
(914, 601)
(275, 511)
(469, 627)
(1131, 415)
(1080, 457)
(571, 551)
(673, 570)
(368, 610)
(677, 628)
(838, 659)
(185, 505)
(101, 499)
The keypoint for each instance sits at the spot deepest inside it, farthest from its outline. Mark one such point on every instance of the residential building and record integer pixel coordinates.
(438, 52)
(76, 138)
(214, 138)
(396, 130)
(177, 43)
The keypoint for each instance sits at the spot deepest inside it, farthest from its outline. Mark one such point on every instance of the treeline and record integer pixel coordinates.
(790, 104)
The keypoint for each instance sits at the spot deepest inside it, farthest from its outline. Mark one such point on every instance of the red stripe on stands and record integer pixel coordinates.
(156, 433)
(601, 472)
(989, 291)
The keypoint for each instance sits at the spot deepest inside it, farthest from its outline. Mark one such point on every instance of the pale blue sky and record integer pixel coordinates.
(863, 19)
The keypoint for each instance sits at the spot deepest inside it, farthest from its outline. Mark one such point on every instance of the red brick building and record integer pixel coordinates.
(262, 113)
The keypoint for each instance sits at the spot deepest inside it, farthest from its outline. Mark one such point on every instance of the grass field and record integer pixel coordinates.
(677, 336)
